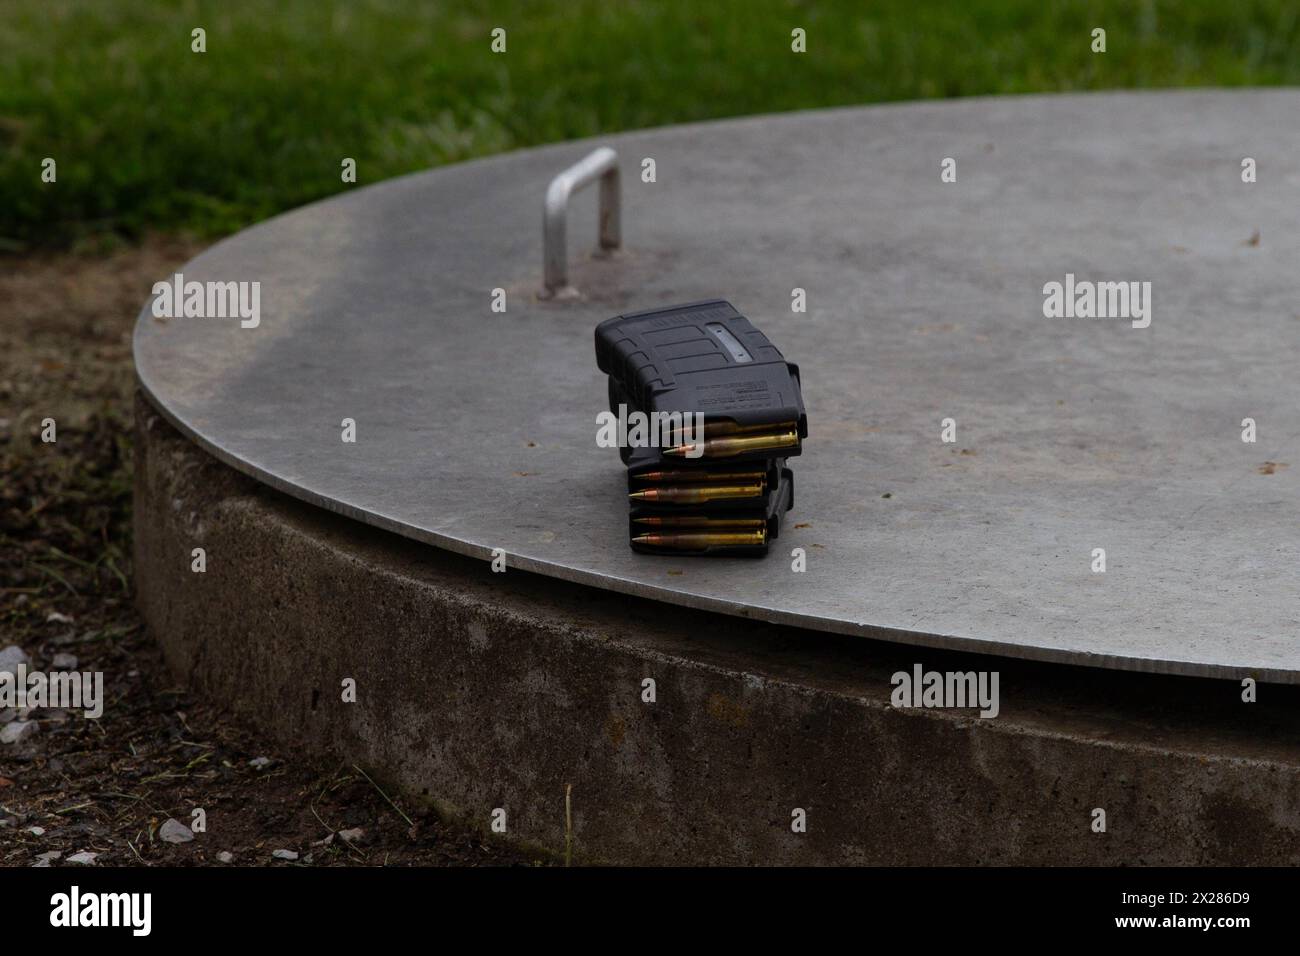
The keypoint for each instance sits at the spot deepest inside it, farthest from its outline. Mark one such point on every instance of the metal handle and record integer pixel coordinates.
(602, 163)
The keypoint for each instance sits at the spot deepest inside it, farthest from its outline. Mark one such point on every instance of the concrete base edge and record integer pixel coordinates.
(479, 691)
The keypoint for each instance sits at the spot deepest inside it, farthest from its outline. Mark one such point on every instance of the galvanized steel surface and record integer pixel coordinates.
(476, 430)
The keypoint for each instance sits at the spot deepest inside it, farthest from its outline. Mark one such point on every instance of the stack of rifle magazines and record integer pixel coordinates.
(732, 412)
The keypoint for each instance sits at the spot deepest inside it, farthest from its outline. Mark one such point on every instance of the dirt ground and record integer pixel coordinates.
(106, 787)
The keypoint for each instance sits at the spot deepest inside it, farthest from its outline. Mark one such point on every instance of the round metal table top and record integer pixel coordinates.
(475, 429)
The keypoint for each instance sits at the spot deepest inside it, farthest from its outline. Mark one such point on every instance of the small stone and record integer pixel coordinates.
(54, 617)
(173, 831)
(84, 858)
(225, 856)
(257, 763)
(63, 661)
(18, 731)
(355, 835)
(48, 856)
(285, 854)
(36, 831)
(11, 657)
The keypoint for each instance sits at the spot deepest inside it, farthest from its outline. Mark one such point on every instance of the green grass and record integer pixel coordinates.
(148, 135)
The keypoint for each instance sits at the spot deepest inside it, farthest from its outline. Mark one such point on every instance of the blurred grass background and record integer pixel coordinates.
(150, 136)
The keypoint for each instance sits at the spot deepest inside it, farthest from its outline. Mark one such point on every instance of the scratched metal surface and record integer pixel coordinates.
(476, 430)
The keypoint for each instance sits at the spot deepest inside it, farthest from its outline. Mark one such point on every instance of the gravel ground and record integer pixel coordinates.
(122, 789)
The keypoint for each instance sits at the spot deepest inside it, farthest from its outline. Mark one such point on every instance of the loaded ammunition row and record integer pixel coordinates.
(781, 438)
(707, 512)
